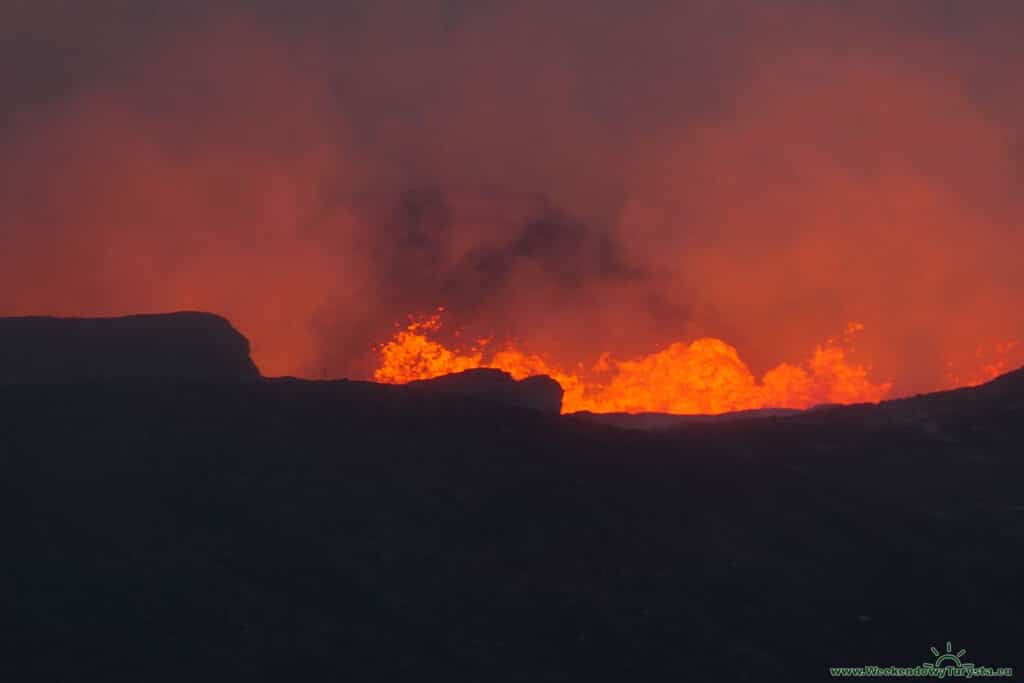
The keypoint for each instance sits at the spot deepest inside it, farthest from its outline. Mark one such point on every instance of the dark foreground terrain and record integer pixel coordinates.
(244, 530)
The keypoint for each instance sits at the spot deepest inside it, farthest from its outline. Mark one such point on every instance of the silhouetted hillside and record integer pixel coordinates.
(293, 530)
(174, 345)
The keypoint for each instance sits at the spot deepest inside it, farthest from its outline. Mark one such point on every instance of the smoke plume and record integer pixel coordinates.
(581, 177)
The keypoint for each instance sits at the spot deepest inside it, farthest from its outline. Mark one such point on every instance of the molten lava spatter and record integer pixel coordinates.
(989, 362)
(411, 355)
(706, 376)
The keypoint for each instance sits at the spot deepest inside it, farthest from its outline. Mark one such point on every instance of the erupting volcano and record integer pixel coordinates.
(667, 210)
(705, 376)
(726, 383)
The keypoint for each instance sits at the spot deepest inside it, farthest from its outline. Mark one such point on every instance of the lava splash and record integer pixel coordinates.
(705, 376)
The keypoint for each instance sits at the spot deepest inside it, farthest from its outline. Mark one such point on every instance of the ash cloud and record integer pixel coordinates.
(426, 249)
(583, 177)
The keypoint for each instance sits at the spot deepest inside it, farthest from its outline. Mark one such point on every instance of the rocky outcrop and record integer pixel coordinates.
(540, 393)
(187, 345)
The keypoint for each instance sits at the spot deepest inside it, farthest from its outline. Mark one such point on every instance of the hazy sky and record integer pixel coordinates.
(581, 175)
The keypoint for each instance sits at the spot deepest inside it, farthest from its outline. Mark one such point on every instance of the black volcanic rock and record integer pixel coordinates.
(1010, 384)
(289, 529)
(187, 345)
(539, 393)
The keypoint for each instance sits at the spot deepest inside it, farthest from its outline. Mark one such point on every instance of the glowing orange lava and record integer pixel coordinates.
(705, 376)
(989, 362)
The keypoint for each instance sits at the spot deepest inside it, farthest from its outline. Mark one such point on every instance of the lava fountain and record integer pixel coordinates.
(705, 376)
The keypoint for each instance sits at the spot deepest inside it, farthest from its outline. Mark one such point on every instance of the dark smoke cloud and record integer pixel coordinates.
(582, 176)
(479, 252)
